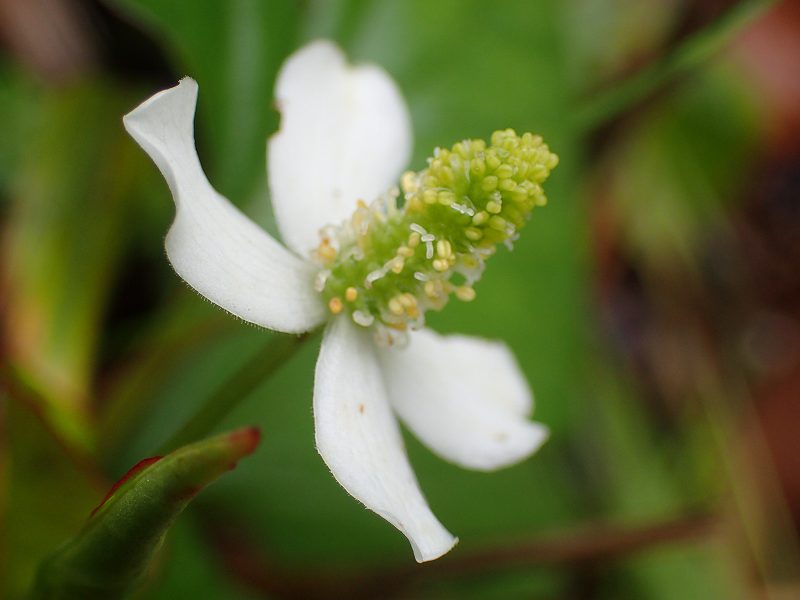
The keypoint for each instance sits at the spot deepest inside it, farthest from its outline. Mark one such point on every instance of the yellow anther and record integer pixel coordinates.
(473, 233)
(499, 136)
(519, 195)
(409, 303)
(413, 239)
(469, 261)
(414, 205)
(498, 223)
(350, 294)
(409, 182)
(395, 307)
(489, 183)
(493, 207)
(433, 288)
(480, 218)
(430, 196)
(507, 185)
(446, 175)
(446, 198)
(335, 305)
(405, 252)
(407, 300)
(441, 265)
(465, 293)
(398, 264)
(504, 171)
(444, 249)
(326, 252)
(538, 172)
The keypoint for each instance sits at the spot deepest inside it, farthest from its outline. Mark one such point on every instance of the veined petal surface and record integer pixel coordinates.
(464, 397)
(358, 438)
(345, 135)
(215, 248)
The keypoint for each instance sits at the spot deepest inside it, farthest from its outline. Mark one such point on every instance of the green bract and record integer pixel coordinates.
(112, 552)
(402, 255)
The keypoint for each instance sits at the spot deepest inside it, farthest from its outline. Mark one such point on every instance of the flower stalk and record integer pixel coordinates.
(239, 385)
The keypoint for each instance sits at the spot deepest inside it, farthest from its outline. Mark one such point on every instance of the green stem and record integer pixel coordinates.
(692, 53)
(237, 387)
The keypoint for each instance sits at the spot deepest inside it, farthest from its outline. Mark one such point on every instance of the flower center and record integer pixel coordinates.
(398, 257)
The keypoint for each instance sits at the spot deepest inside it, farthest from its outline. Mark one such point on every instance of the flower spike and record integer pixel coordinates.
(401, 256)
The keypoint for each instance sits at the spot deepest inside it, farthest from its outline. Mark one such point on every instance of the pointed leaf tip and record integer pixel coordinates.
(246, 439)
(112, 551)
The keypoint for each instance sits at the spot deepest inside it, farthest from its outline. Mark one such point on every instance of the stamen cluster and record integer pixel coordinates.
(400, 256)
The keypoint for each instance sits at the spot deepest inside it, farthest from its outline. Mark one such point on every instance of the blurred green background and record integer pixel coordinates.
(654, 305)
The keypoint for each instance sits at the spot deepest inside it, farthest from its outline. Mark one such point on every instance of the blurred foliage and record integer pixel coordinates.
(71, 192)
(233, 49)
(192, 570)
(49, 495)
(673, 177)
(83, 218)
(114, 548)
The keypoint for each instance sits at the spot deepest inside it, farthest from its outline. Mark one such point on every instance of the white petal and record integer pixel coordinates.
(358, 438)
(214, 247)
(345, 135)
(464, 397)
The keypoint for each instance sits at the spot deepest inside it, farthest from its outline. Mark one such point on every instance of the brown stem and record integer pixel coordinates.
(589, 544)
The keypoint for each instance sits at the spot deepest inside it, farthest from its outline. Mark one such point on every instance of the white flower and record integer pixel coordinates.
(345, 135)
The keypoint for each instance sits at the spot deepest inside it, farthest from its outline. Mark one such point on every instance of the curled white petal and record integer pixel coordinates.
(464, 397)
(345, 135)
(214, 247)
(358, 438)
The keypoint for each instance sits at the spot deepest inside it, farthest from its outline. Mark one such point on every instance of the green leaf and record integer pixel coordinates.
(67, 227)
(34, 469)
(113, 550)
(672, 177)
